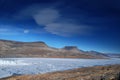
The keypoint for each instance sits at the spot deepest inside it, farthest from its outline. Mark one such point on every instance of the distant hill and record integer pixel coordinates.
(113, 55)
(41, 49)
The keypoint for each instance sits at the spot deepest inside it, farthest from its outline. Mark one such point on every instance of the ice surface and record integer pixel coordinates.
(20, 66)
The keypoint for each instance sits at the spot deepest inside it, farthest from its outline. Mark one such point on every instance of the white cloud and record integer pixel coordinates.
(46, 16)
(26, 31)
(19, 31)
(9, 30)
(66, 29)
(53, 21)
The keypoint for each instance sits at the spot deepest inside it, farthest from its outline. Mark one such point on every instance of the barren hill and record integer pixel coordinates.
(40, 49)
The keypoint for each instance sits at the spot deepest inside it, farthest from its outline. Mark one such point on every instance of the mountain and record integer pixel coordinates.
(114, 55)
(41, 49)
(97, 53)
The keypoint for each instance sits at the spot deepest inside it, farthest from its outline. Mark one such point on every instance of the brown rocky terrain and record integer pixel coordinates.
(111, 72)
(40, 49)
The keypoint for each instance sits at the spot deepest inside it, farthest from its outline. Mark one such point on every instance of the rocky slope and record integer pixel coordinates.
(40, 49)
(111, 72)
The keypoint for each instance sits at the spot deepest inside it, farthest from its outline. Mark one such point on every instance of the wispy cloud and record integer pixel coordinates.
(10, 30)
(66, 29)
(53, 21)
(46, 16)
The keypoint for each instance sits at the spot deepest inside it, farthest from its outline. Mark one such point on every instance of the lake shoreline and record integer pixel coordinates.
(107, 72)
(30, 66)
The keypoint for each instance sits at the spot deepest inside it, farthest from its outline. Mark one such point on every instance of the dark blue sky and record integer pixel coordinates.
(88, 24)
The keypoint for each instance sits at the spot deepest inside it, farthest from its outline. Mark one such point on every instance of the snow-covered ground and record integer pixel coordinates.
(19, 66)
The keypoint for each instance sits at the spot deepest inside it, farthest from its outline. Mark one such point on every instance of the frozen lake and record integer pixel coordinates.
(20, 66)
